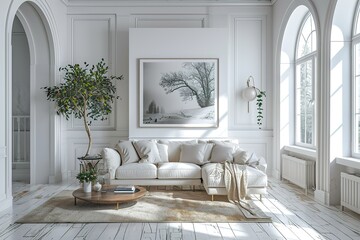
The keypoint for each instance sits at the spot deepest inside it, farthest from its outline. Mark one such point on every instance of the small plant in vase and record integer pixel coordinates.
(87, 176)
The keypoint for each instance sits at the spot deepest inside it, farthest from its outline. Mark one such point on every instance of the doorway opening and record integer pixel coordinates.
(20, 103)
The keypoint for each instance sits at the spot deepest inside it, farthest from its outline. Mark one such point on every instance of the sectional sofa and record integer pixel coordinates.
(182, 162)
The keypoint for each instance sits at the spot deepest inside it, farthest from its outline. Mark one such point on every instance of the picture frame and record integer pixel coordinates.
(181, 92)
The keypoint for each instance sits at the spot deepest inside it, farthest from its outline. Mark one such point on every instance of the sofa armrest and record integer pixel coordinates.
(112, 160)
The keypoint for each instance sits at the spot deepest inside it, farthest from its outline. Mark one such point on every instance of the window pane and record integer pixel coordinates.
(357, 134)
(304, 103)
(357, 115)
(357, 95)
(307, 38)
(357, 59)
(357, 29)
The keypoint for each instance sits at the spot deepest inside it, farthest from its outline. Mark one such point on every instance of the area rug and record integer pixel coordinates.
(155, 206)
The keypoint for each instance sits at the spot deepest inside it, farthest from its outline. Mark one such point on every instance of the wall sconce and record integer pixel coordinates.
(250, 92)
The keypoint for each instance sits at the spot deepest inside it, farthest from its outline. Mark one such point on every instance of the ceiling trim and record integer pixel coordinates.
(167, 3)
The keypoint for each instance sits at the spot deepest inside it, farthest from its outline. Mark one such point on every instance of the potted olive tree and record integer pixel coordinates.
(87, 93)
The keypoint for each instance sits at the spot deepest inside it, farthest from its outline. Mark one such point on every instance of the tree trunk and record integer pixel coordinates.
(87, 129)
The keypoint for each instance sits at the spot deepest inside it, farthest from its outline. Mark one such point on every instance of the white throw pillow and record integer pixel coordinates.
(229, 143)
(111, 159)
(241, 157)
(127, 152)
(163, 152)
(147, 151)
(253, 159)
(194, 153)
(222, 153)
(208, 150)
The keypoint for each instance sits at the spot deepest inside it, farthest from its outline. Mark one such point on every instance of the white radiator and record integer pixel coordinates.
(350, 192)
(298, 171)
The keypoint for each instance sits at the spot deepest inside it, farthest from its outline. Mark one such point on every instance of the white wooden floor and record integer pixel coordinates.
(295, 216)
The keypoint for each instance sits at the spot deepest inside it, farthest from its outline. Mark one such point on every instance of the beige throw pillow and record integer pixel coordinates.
(127, 152)
(194, 153)
(148, 151)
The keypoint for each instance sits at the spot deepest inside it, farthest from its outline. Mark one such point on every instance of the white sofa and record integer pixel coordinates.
(181, 162)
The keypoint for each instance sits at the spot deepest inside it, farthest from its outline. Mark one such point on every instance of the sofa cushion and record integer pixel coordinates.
(193, 153)
(175, 148)
(112, 160)
(213, 176)
(127, 152)
(136, 171)
(178, 170)
(147, 151)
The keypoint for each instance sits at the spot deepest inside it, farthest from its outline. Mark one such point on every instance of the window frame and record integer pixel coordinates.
(354, 42)
(312, 56)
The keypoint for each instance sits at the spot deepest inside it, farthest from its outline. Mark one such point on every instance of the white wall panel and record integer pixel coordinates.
(249, 54)
(93, 37)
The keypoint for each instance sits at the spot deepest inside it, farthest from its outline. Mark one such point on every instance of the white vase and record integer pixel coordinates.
(97, 187)
(87, 187)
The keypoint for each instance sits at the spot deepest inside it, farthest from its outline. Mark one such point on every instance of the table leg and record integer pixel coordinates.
(74, 200)
(117, 206)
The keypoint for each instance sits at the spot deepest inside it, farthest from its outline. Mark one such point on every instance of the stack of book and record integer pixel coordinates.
(124, 189)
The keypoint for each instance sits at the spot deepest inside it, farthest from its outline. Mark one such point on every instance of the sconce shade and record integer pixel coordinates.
(250, 93)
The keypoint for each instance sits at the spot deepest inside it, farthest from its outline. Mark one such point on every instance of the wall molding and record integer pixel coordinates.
(240, 77)
(200, 19)
(110, 20)
(3, 152)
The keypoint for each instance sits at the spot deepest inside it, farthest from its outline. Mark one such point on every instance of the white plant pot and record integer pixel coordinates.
(87, 187)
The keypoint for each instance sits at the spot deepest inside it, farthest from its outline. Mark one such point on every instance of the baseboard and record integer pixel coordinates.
(54, 179)
(6, 204)
(321, 197)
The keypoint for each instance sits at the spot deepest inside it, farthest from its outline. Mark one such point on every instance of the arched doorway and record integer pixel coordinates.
(39, 28)
(20, 104)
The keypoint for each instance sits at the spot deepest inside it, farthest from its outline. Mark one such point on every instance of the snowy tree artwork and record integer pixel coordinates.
(178, 92)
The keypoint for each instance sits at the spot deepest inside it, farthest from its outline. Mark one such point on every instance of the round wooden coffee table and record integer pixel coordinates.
(108, 196)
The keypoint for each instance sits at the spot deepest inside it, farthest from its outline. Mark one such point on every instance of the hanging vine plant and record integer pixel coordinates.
(250, 93)
(259, 106)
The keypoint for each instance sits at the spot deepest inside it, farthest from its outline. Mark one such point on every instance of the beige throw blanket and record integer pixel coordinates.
(235, 178)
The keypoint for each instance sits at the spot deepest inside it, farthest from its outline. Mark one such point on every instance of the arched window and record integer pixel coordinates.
(356, 86)
(305, 77)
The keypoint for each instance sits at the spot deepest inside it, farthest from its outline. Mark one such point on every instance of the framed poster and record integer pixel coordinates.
(179, 92)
